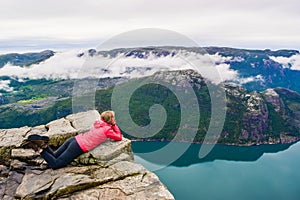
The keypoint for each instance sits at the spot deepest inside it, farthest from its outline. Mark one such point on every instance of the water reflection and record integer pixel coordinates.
(246, 173)
(219, 152)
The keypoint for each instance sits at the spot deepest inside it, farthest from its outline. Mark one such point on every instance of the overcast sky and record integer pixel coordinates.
(59, 24)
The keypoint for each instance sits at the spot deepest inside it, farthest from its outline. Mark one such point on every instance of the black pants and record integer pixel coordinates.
(65, 154)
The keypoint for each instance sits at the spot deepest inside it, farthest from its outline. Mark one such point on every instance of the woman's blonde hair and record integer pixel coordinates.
(107, 116)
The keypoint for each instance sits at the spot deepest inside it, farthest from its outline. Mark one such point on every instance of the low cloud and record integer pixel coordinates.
(68, 65)
(226, 73)
(62, 65)
(258, 78)
(292, 62)
(4, 85)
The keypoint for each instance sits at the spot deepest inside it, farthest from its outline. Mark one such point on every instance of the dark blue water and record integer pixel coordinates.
(229, 172)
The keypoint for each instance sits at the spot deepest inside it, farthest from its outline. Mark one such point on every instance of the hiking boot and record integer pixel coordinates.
(34, 137)
(35, 142)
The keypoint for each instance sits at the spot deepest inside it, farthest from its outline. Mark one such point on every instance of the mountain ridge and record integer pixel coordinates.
(25, 59)
(254, 69)
(262, 110)
(252, 117)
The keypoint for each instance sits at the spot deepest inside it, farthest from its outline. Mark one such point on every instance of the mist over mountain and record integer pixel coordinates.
(25, 59)
(268, 117)
(262, 87)
(254, 69)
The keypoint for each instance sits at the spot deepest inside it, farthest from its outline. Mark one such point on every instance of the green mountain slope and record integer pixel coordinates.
(271, 116)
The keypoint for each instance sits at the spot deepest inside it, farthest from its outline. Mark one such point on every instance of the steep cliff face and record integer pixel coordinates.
(271, 116)
(107, 172)
(267, 117)
(255, 119)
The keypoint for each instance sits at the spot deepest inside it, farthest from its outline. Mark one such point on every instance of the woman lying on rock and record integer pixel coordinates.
(75, 146)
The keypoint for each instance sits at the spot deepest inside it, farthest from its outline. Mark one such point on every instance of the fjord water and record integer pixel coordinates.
(229, 172)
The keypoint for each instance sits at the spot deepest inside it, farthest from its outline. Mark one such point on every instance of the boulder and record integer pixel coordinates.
(108, 153)
(83, 121)
(10, 139)
(106, 172)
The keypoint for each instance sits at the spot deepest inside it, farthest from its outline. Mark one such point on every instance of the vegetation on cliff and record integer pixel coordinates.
(271, 116)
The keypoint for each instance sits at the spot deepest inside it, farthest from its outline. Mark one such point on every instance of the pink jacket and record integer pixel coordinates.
(97, 135)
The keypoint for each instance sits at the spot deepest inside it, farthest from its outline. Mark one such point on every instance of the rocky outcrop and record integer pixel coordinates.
(107, 172)
(269, 117)
(272, 97)
(255, 119)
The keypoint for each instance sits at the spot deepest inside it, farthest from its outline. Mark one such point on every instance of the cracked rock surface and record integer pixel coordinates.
(107, 172)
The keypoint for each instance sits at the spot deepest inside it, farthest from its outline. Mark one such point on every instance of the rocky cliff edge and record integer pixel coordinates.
(107, 172)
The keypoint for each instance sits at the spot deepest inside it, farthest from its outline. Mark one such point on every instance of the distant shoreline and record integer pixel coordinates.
(227, 144)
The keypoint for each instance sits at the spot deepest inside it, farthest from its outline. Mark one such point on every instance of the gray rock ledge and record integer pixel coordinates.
(107, 172)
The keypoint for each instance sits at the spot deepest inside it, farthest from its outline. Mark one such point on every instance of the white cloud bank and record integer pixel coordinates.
(62, 65)
(257, 78)
(4, 85)
(292, 62)
(67, 65)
